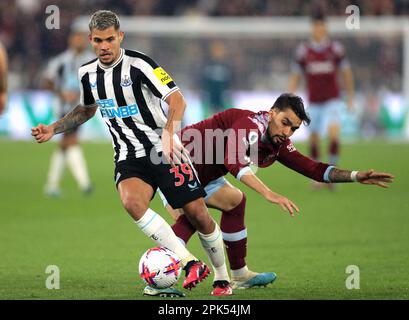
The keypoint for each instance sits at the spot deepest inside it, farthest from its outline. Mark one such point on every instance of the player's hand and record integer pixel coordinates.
(173, 150)
(283, 202)
(3, 101)
(42, 133)
(381, 179)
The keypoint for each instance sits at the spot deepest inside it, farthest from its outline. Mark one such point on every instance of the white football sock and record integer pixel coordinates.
(239, 273)
(78, 167)
(156, 228)
(213, 244)
(55, 171)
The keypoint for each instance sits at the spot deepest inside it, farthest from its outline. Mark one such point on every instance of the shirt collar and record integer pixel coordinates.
(121, 55)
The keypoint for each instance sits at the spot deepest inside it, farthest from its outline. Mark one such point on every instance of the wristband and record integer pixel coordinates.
(353, 176)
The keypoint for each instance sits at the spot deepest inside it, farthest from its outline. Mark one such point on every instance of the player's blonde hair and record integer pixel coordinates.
(104, 19)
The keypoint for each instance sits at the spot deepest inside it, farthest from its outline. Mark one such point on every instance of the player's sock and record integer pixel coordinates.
(235, 235)
(183, 229)
(77, 164)
(55, 171)
(213, 244)
(333, 152)
(314, 151)
(156, 228)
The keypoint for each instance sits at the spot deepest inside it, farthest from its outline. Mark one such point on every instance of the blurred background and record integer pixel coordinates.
(221, 53)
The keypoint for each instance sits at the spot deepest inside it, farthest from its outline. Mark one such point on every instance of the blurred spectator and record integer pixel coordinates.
(30, 49)
(216, 78)
(3, 78)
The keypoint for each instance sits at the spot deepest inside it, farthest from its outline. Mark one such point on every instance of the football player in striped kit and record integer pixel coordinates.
(127, 87)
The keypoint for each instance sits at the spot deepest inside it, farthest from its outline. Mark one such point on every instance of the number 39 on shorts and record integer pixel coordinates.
(180, 177)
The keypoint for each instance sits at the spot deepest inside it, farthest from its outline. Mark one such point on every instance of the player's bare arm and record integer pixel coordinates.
(173, 149)
(71, 120)
(252, 181)
(380, 179)
(3, 78)
(349, 86)
(293, 83)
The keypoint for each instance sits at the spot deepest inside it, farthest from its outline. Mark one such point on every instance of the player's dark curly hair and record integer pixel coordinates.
(289, 100)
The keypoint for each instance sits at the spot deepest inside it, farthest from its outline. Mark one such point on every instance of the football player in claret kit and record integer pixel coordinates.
(127, 86)
(320, 60)
(252, 138)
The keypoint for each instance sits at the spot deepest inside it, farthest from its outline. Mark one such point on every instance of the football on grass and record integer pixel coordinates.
(160, 268)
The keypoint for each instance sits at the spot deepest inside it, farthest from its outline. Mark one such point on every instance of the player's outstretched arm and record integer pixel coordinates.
(252, 181)
(71, 120)
(381, 179)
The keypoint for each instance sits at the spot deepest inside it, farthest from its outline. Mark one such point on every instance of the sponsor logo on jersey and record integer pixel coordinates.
(109, 109)
(126, 81)
(320, 67)
(162, 75)
(93, 85)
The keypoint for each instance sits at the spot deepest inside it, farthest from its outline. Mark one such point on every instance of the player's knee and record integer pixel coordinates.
(135, 207)
(239, 199)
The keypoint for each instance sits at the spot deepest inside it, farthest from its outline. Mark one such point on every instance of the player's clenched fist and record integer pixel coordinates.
(42, 133)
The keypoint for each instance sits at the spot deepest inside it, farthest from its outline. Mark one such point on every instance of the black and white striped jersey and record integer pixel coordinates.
(129, 94)
(62, 70)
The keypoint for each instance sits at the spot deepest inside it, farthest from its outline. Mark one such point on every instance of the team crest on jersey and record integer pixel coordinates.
(291, 147)
(253, 137)
(126, 81)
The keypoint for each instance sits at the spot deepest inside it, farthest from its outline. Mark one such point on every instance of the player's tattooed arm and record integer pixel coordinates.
(339, 175)
(74, 118)
(380, 179)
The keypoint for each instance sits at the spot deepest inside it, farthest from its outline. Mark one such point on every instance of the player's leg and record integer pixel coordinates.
(56, 170)
(332, 124)
(76, 161)
(232, 202)
(184, 230)
(315, 112)
(135, 195)
(184, 191)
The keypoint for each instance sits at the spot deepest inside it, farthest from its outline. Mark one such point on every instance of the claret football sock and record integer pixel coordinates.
(213, 244)
(333, 152)
(235, 234)
(156, 228)
(314, 151)
(183, 229)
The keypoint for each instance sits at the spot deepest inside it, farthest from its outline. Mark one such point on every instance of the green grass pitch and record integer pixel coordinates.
(97, 247)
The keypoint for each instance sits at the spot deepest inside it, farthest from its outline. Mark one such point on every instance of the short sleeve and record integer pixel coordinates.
(156, 78)
(86, 97)
(298, 63)
(340, 56)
